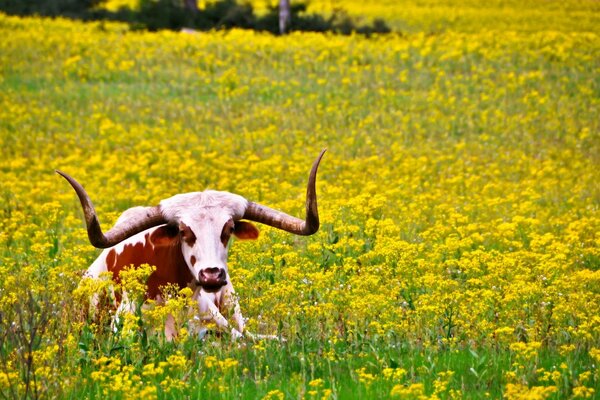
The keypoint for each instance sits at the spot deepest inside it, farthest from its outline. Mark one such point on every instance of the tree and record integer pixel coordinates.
(191, 5)
(51, 8)
(285, 16)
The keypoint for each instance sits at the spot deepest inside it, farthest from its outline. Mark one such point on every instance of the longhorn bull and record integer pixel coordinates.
(186, 237)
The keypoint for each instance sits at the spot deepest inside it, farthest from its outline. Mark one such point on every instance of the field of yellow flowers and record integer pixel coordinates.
(458, 257)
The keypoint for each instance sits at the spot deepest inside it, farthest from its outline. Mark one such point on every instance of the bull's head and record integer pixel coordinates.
(201, 223)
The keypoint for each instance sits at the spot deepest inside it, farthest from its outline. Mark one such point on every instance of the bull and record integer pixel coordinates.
(185, 237)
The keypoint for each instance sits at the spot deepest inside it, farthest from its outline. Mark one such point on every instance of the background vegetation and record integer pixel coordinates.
(177, 15)
(459, 251)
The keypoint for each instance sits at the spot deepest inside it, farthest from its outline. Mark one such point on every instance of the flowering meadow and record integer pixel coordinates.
(459, 249)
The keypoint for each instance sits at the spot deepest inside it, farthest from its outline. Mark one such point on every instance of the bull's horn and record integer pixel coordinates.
(149, 217)
(268, 216)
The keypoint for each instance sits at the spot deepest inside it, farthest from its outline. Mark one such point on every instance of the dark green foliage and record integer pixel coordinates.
(161, 14)
(49, 8)
(172, 14)
(226, 14)
(338, 22)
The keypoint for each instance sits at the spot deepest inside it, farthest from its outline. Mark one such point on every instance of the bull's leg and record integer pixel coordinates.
(210, 312)
(170, 328)
(89, 281)
(125, 307)
(210, 307)
(230, 302)
(170, 325)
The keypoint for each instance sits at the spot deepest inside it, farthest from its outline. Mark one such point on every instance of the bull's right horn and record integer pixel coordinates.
(149, 217)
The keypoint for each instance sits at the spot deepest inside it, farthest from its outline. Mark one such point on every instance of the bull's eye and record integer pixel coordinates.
(187, 234)
(225, 238)
(226, 233)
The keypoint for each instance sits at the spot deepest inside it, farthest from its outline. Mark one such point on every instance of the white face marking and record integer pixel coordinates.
(202, 216)
(201, 243)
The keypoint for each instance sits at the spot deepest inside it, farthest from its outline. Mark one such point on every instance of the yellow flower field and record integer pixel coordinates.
(458, 255)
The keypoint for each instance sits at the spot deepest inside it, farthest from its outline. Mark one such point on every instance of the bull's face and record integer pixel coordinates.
(204, 238)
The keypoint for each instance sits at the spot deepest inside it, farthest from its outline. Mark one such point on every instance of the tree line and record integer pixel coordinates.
(220, 14)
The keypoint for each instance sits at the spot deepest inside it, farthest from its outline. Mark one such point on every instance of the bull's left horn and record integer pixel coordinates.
(148, 218)
(277, 219)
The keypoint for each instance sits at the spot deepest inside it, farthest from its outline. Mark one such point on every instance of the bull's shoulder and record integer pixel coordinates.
(170, 266)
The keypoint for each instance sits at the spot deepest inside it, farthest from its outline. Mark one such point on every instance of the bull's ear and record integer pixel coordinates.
(164, 235)
(245, 230)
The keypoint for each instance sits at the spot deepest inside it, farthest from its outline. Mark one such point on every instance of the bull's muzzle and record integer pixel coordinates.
(212, 279)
